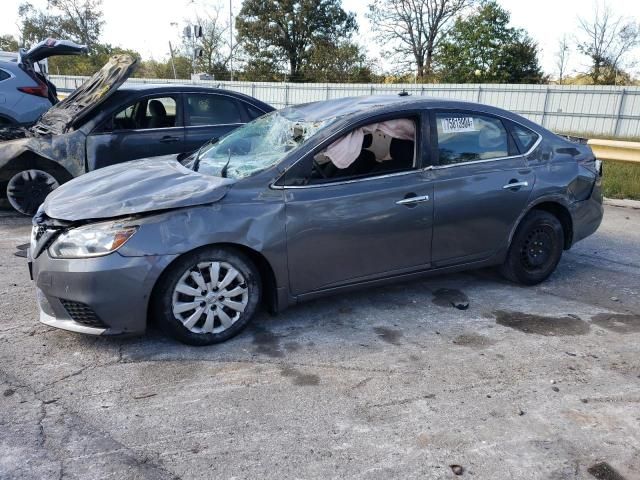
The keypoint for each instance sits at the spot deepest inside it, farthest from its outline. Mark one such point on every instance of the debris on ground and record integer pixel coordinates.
(444, 297)
(604, 471)
(457, 469)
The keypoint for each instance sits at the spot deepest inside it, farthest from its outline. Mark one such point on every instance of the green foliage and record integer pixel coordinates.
(343, 63)
(214, 44)
(410, 31)
(607, 41)
(280, 33)
(482, 48)
(155, 69)
(621, 180)
(77, 20)
(8, 43)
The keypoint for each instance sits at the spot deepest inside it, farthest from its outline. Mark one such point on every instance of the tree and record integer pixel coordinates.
(216, 51)
(562, 58)
(414, 29)
(482, 48)
(278, 33)
(77, 20)
(607, 40)
(8, 43)
(343, 63)
(164, 69)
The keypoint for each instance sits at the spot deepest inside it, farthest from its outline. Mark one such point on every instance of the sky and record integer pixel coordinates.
(145, 25)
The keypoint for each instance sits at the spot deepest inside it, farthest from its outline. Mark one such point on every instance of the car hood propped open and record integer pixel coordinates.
(87, 96)
(147, 185)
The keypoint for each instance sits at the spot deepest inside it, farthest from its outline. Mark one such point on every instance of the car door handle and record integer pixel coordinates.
(509, 186)
(169, 139)
(413, 200)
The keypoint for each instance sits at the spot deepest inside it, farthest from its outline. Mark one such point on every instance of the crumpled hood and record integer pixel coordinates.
(87, 96)
(128, 188)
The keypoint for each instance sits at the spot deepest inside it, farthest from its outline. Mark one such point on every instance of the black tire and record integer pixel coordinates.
(26, 190)
(165, 294)
(535, 249)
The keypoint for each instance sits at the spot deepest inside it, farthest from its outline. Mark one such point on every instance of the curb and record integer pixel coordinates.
(635, 204)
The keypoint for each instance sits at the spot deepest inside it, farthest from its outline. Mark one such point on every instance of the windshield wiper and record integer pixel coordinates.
(196, 163)
(223, 172)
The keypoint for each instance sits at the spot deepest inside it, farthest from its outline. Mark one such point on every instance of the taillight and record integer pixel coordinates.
(40, 91)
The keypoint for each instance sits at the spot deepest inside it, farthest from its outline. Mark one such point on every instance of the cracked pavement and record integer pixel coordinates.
(537, 382)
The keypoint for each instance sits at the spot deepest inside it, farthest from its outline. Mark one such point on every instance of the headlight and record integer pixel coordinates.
(91, 240)
(33, 242)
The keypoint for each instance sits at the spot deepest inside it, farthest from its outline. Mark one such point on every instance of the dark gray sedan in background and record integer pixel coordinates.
(307, 201)
(104, 122)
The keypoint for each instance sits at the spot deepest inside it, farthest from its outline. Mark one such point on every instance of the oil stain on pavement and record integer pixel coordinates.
(299, 378)
(617, 322)
(389, 335)
(267, 343)
(541, 325)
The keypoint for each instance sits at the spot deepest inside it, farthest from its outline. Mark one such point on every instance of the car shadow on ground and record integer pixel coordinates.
(403, 313)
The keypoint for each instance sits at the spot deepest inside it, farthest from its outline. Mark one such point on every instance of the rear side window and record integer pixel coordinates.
(203, 109)
(525, 137)
(470, 137)
(3, 75)
(253, 111)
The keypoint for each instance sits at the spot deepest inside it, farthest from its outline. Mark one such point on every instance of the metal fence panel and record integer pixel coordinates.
(584, 110)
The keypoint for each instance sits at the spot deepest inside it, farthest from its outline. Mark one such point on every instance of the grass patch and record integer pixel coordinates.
(621, 180)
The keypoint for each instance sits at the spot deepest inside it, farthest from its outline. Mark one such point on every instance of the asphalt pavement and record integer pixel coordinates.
(526, 383)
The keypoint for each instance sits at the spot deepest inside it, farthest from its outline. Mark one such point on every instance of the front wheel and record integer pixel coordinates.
(535, 250)
(26, 190)
(207, 296)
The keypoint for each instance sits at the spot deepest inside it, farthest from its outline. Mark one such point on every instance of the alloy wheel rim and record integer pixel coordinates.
(536, 252)
(210, 297)
(27, 190)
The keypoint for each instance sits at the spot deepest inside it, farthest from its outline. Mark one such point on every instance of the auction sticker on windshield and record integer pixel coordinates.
(457, 124)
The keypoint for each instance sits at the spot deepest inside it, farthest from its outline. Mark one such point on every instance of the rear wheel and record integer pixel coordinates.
(207, 296)
(26, 190)
(535, 250)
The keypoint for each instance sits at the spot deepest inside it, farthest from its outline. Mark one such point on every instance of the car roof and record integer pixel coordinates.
(382, 104)
(170, 87)
(152, 88)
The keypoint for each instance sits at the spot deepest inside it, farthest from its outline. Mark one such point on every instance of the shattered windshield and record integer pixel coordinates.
(255, 146)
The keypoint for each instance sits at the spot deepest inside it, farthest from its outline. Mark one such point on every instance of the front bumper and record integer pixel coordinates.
(106, 295)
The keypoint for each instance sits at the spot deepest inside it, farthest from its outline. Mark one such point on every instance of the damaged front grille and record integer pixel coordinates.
(83, 314)
(44, 232)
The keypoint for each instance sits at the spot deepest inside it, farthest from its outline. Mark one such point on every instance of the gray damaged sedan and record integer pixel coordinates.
(307, 201)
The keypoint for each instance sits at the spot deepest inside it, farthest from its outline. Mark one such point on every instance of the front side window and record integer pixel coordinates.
(379, 148)
(147, 113)
(204, 109)
(4, 75)
(468, 137)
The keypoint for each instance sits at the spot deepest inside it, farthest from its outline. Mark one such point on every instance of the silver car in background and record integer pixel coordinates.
(25, 91)
(304, 202)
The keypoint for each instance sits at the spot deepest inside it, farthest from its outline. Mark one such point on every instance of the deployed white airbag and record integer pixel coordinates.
(344, 151)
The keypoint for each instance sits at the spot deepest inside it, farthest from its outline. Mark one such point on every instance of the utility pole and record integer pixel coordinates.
(231, 38)
(173, 64)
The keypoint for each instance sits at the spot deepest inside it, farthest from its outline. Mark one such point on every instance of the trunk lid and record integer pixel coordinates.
(129, 188)
(49, 48)
(87, 96)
